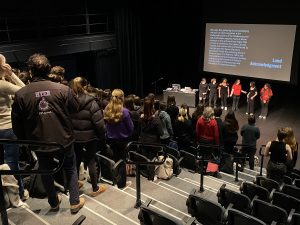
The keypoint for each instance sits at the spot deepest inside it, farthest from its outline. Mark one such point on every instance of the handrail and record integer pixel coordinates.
(262, 159)
(200, 156)
(138, 202)
(60, 147)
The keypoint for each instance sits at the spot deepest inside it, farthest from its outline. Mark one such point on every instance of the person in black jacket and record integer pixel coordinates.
(41, 112)
(88, 126)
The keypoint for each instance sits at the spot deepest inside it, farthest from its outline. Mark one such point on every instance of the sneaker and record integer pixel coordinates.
(247, 113)
(264, 117)
(225, 108)
(260, 116)
(56, 208)
(101, 189)
(25, 195)
(222, 107)
(75, 208)
(80, 184)
(251, 114)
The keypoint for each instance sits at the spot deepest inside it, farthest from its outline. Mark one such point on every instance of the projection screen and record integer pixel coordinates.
(252, 50)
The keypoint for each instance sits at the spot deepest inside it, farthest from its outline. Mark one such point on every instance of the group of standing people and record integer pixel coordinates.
(213, 91)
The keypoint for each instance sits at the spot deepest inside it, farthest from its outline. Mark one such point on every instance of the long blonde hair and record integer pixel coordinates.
(114, 110)
(182, 115)
(290, 138)
(5, 68)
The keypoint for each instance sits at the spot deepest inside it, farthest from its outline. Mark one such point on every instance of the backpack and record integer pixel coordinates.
(165, 170)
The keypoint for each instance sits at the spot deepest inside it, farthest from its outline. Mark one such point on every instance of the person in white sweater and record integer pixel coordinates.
(9, 85)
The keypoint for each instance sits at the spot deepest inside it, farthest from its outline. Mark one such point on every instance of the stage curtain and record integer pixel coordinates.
(128, 34)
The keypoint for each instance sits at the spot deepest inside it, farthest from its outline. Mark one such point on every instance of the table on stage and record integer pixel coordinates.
(181, 97)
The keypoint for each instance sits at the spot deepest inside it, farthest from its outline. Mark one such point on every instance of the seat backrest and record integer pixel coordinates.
(150, 216)
(287, 179)
(209, 152)
(252, 190)
(268, 213)
(295, 219)
(204, 210)
(285, 202)
(267, 183)
(189, 161)
(172, 151)
(291, 190)
(238, 201)
(294, 176)
(297, 183)
(236, 217)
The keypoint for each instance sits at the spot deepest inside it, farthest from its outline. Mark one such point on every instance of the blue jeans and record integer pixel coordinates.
(46, 162)
(11, 156)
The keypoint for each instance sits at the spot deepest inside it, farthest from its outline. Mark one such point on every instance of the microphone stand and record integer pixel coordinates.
(155, 84)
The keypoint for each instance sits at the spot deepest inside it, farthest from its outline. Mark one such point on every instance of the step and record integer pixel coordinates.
(40, 207)
(211, 181)
(115, 205)
(24, 216)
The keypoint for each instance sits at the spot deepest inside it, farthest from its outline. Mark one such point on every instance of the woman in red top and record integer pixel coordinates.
(207, 130)
(236, 91)
(265, 95)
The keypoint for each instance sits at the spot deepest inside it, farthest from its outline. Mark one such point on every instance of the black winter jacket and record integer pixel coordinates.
(41, 112)
(88, 122)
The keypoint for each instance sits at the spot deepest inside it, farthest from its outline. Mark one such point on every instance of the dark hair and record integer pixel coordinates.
(185, 106)
(128, 103)
(171, 100)
(230, 122)
(218, 112)
(198, 111)
(281, 134)
(24, 77)
(156, 105)
(151, 96)
(251, 119)
(137, 101)
(252, 84)
(148, 109)
(38, 65)
(163, 106)
(57, 74)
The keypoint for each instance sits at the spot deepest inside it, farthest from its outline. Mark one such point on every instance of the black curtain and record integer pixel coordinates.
(128, 33)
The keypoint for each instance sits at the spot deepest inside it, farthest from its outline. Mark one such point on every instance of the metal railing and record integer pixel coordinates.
(58, 148)
(28, 27)
(138, 147)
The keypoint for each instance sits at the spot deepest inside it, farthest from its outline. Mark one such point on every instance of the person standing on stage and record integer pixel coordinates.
(224, 93)
(203, 88)
(250, 98)
(236, 91)
(265, 95)
(212, 88)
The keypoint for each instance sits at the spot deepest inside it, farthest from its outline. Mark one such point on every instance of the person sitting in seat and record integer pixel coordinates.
(279, 152)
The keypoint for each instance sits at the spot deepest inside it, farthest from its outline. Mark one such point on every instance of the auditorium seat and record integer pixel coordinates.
(297, 183)
(291, 190)
(227, 197)
(236, 217)
(109, 169)
(204, 210)
(295, 219)
(268, 212)
(267, 183)
(285, 202)
(287, 180)
(189, 160)
(294, 176)
(151, 216)
(175, 155)
(253, 190)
